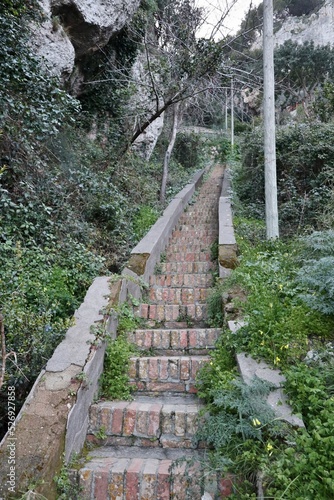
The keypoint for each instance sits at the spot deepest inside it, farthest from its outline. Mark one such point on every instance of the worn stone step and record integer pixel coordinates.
(189, 340)
(159, 313)
(149, 422)
(197, 226)
(204, 237)
(184, 295)
(180, 280)
(186, 267)
(174, 374)
(128, 473)
(188, 256)
(177, 247)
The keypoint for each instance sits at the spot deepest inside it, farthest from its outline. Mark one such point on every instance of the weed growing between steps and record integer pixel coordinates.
(115, 378)
(285, 327)
(67, 487)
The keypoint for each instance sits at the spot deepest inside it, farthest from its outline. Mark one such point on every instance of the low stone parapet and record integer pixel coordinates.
(227, 245)
(147, 253)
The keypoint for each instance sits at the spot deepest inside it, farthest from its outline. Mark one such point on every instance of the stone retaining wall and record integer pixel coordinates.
(53, 422)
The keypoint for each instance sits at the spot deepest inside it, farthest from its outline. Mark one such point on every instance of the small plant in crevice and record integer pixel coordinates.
(101, 434)
(115, 378)
(127, 320)
(66, 482)
(215, 307)
(183, 317)
(214, 250)
(218, 373)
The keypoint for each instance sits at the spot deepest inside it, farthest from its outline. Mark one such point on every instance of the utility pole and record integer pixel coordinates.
(232, 114)
(269, 122)
(226, 109)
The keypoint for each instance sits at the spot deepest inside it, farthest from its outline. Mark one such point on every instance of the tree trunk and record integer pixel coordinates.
(169, 153)
(269, 122)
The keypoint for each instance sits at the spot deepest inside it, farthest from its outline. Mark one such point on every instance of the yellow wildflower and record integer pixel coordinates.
(269, 447)
(277, 360)
(256, 422)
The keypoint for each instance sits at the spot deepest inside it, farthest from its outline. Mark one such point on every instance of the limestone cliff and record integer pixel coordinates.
(72, 28)
(67, 41)
(318, 27)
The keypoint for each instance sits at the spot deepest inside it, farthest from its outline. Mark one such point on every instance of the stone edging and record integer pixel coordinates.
(250, 368)
(53, 422)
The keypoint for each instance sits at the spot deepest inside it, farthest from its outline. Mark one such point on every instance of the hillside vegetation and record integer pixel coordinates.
(71, 208)
(73, 203)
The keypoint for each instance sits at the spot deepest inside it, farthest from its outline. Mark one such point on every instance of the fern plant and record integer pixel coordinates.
(317, 274)
(239, 412)
(243, 430)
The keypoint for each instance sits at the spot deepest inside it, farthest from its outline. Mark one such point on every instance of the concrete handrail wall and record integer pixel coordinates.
(53, 422)
(147, 253)
(227, 245)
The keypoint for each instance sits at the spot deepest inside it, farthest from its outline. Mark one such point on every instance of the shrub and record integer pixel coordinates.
(292, 336)
(317, 274)
(304, 167)
(188, 150)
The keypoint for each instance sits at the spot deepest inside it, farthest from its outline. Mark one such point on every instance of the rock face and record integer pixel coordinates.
(318, 27)
(73, 28)
(51, 43)
(91, 23)
(72, 31)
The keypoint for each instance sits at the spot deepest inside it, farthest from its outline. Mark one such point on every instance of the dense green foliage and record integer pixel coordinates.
(72, 204)
(290, 333)
(300, 69)
(288, 286)
(317, 273)
(304, 173)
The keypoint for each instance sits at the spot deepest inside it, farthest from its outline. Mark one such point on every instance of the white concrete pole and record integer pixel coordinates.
(232, 113)
(269, 122)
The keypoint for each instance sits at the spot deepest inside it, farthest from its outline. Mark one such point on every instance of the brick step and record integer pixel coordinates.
(202, 214)
(180, 280)
(209, 220)
(176, 247)
(198, 226)
(151, 422)
(188, 256)
(204, 207)
(169, 295)
(193, 236)
(186, 267)
(169, 340)
(171, 312)
(128, 473)
(173, 374)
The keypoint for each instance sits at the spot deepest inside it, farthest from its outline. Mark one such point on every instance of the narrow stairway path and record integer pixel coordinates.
(144, 437)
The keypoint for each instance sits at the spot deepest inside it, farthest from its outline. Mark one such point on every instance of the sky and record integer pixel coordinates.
(216, 8)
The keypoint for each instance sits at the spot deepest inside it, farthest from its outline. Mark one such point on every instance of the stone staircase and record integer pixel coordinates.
(149, 448)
